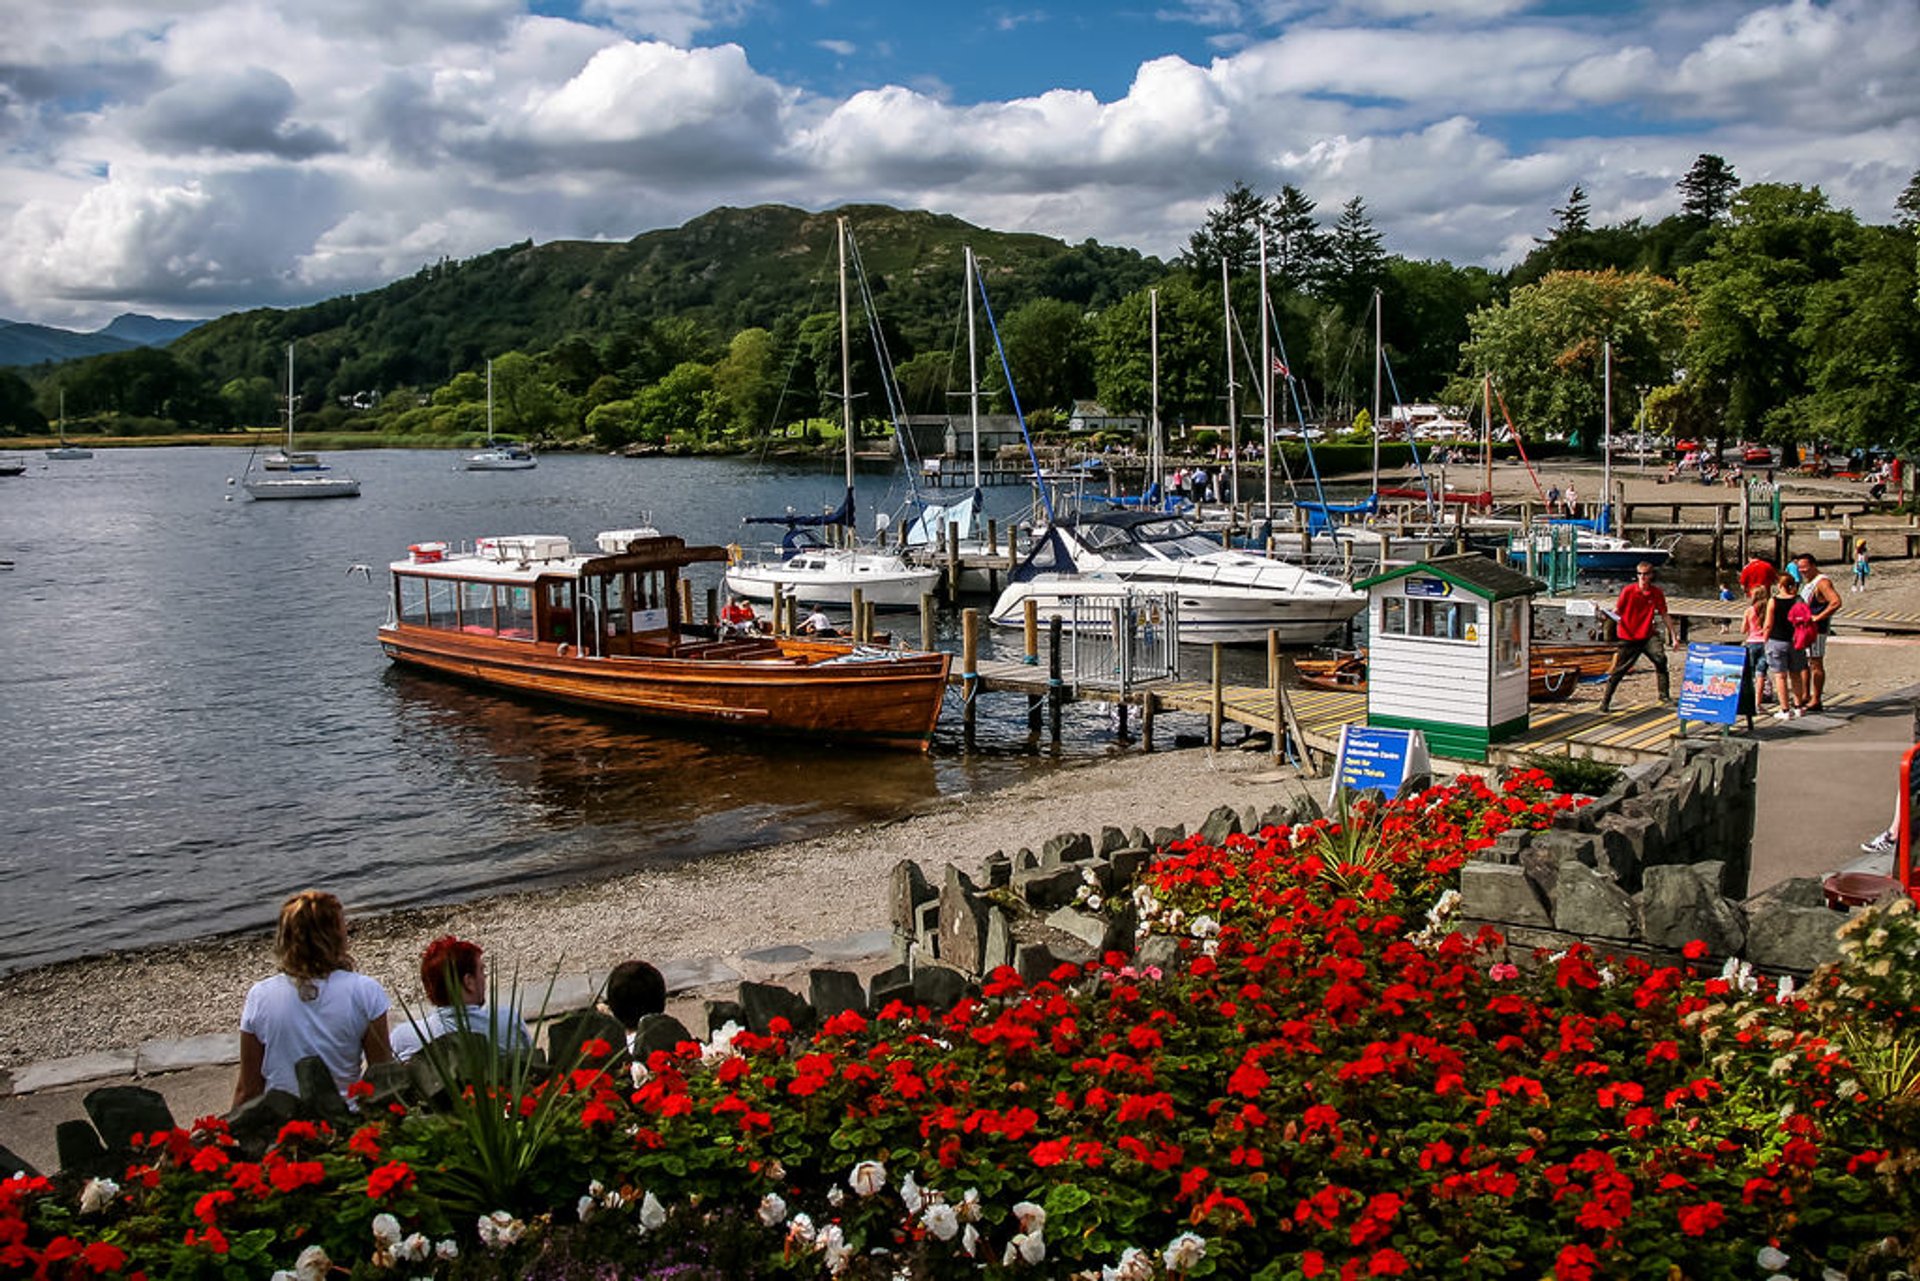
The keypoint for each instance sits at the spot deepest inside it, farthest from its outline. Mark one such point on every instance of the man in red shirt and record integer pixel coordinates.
(1640, 604)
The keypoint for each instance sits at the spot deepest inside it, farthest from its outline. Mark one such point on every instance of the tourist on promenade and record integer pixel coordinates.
(1635, 612)
(1823, 598)
(1553, 501)
(1759, 573)
(1572, 500)
(1785, 657)
(315, 1005)
(1753, 679)
(1861, 567)
(452, 969)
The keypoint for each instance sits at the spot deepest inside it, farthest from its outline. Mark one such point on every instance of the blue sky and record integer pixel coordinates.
(189, 157)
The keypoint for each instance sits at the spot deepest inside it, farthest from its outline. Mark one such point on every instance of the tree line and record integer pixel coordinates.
(1759, 312)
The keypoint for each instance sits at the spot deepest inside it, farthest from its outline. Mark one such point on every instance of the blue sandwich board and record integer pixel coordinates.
(1710, 684)
(1380, 759)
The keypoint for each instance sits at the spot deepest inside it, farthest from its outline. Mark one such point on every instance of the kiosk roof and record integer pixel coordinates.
(1477, 574)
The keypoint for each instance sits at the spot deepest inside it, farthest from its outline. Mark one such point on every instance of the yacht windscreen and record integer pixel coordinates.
(1177, 539)
(1111, 543)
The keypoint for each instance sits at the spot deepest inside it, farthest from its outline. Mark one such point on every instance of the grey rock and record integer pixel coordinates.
(1137, 839)
(1676, 907)
(996, 872)
(765, 1002)
(832, 992)
(1126, 865)
(1026, 860)
(1503, 893)
(1219, 825)
(255, 1123)
(782, 954)
(1712, 874)
(1048, 888)
(1591, 904)
(1165, 836)
(998, 947)
(907, 889)
(12, 1163)
(1306, 809)
(658, 1032)
(686, 974)
(1111, 839)
(1161, 951)
(1800, 891)
(864, 946)
(215, 1049)
(1783, 936)
(926, 927)
(1037, 962)
(392, 1082)
(568, 1033)
(939, 986)
(881, 995)
(893, 976)
(80, 1150)
(1095, 931)
(719, 1013)
(1624, 845)
(119, 1112)
(1067, 847)
(963, 923)
(320, 1094)
(78, 1069)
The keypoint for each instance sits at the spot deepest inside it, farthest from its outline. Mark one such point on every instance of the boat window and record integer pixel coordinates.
(1509, 640)
(413, 599)
(476, 606)
(1430, 619)
(443, 603)
(515, 612)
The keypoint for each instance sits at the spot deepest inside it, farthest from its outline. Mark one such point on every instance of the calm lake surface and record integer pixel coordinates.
(199, 720)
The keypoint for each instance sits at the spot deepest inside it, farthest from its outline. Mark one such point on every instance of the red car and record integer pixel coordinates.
(1757, 454)
(1685, 446)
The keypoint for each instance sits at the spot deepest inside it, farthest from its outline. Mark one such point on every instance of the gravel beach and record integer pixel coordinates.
(823, 888)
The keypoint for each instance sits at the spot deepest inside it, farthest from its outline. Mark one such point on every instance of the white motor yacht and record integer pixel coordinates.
(1226, 597)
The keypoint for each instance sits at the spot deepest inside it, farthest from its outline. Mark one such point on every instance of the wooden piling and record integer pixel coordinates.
(1147, 701)
(1030, 622)
(1056, 688)
(993, 538)
(953, 564)
(858, 625)
(1719, 538)
(872, 611)
(713, 606)
(969, 670)
(926, 620)
(1216, 703)
(686, 601)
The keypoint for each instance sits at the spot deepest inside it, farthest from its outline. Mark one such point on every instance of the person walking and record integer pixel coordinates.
(1860, 566)
(1753, 677)
(1640, 606)
(1787, 660)
(1823, 598)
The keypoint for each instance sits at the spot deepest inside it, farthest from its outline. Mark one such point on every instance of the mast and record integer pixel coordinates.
(489, 403)
(846, 370)
(1376, 396)
(1486, 443)
(63, 418)
(1156, 460)
(1233, 393)
(973, 375)
(289, 398)
(1266, 385)
(1606, 450)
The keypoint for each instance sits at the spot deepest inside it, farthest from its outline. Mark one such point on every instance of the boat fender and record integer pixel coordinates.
(562, 649)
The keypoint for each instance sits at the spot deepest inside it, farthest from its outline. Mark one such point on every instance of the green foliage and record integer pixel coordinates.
(18, 416)
(1577, 775)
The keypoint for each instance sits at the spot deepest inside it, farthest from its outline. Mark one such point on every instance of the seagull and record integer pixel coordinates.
(364, 571)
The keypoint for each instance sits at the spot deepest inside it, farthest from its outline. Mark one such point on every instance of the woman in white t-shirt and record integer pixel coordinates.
(454, 973)
(315, 1005)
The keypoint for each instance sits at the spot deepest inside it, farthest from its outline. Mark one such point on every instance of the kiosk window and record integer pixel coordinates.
(1509, 645)
(1430, 619)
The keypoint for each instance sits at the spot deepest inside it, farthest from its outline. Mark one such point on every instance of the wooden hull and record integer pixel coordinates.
(890, 702)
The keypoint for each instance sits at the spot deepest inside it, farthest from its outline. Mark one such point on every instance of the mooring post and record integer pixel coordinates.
(969, 670)
(953, 564)
(1056, 688)
(1147, 700)
(686, 601)
(1278, 688)
(926, 620)
(713, 606)
(1216, 703)
(1030, 620)
(1746, 518)
(872, 612)
(993, 539)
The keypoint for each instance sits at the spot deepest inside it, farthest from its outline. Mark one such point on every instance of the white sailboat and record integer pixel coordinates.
(67, 452)
(298, 475)
(504, 456)
(821, 575)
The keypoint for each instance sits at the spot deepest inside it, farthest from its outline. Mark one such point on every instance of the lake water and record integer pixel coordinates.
(199, 720)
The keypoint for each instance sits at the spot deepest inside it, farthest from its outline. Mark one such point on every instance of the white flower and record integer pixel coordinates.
(500, 1230)
(970, 1240)
(910, 1194)
(836, 1195)
(1184, 1251)
(446, 1251)
(1028, 1246)
(1135, 1265)
(833, 1249)
(1784, 993)
(720, 1045)
(312, 1265)
(1739, 975)
(414, 1249)
(800, 1231)
(1204, 927)
(941, 1221)
(585, 1207)
(1032, 1217)
(1095, 902)
(969, 1209)
(386, 1231)
(773, 1210)
(1770, 1259)
(653, 1215)
(98, 1195)
(867, 1178)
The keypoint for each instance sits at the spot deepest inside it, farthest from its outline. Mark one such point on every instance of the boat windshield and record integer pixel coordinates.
(1176, 540)
(1111, 542)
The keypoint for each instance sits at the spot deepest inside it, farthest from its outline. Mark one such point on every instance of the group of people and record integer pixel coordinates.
(1563, 502)
(317, 1004)
(738, 619)
(1194, 484)
(1788, 616)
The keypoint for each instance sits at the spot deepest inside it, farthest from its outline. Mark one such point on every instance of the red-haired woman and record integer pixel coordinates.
(454, 973)
(315, 1005)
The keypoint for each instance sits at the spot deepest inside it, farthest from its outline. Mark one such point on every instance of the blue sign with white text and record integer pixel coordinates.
(1429, 587)
(1710, 685)
(1380, 759)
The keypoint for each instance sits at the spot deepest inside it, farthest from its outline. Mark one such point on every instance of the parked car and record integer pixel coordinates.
(1760, 455)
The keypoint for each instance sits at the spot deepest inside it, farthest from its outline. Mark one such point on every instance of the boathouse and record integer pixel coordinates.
(1448, 652)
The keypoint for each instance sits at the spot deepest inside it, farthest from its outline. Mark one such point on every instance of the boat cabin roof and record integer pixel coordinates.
(530, 558)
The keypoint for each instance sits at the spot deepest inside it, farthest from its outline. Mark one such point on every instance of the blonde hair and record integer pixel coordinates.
(311, 939)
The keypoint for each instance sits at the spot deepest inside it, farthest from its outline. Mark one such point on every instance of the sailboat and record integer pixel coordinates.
(300, 475)
(67, 451)
(506, 456)
(810, 571)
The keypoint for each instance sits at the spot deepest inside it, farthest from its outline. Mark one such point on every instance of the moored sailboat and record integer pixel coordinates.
(503, 455)
(301, 475)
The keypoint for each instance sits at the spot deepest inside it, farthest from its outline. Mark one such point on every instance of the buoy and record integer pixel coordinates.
(229, 480)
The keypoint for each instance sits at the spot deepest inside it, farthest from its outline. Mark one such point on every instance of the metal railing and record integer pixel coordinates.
(1126, 640)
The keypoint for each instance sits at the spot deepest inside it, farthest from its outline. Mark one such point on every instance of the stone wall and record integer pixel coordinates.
(1661, 860)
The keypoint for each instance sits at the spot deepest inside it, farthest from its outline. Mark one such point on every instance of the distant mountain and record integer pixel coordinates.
(22, 343)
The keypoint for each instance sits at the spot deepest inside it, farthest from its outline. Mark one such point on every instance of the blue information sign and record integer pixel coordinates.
(1378, 758)
(1710, 686)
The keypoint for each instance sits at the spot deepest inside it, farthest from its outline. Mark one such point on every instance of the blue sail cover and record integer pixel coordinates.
(929, 528)
(1320, 515)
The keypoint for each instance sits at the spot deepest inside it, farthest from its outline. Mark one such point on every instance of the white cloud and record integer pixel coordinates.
(839, 48)
(676, 21)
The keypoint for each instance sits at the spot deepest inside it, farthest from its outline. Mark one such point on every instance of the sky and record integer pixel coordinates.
(193, 157)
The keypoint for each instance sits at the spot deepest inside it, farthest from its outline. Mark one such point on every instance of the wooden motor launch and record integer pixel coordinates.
(530, 615)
